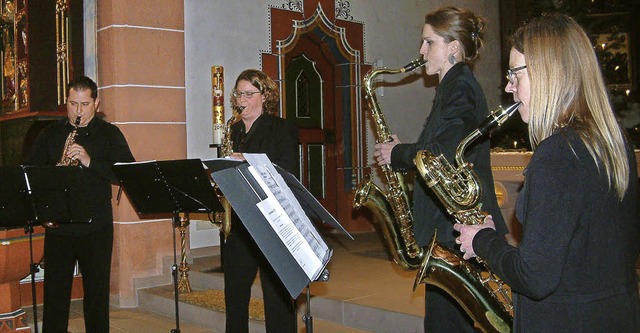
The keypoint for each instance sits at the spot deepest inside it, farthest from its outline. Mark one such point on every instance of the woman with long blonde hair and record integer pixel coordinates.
(574, 270)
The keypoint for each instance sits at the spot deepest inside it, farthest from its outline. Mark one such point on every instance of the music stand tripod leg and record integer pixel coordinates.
(174, 272)
(308, 320)
(33, 269)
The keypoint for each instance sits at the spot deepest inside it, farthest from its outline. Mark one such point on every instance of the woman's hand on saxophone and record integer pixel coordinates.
(468, 232)
(78, 153)
(382, 152)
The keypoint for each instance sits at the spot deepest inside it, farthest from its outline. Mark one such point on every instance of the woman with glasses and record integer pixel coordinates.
(451, 38)
(574, 270)
(256, 98)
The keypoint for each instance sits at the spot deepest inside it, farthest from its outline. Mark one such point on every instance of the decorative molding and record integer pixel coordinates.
(294, 5)
(302, 25)
(343, 10)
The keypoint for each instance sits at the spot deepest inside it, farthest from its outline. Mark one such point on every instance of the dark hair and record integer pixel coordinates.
(82, 83)
(452, 23)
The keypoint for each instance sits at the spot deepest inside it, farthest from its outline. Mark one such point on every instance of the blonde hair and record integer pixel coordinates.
(567, 89)
(452, 23)
(265, 84)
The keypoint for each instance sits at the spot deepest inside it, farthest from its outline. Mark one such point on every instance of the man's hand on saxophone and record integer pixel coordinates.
(78, 153)
(382, 152)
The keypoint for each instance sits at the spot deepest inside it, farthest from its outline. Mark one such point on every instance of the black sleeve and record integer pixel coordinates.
(457, 120)
(116, 150)
(553, 207)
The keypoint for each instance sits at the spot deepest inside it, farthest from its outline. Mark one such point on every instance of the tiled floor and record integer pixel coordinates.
(361, 273)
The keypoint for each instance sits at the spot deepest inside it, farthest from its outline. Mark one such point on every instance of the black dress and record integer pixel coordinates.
(278, 139)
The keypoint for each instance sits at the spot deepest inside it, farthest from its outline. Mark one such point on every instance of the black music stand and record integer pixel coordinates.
(30, 196)
(244, 192)
(169, 187)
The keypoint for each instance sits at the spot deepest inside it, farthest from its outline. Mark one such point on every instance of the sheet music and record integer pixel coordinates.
(290, 236)
(276, 188)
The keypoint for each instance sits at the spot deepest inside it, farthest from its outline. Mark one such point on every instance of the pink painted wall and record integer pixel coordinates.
(141, 78)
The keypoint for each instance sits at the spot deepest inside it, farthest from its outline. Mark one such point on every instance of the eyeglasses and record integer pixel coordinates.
(511, 73)
(247, 94)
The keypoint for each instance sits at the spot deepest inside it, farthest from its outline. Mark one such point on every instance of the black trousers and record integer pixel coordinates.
(242, 259)
(93, 253)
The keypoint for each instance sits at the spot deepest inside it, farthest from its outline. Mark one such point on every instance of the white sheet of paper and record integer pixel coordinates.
(290, 236)
(275, 187)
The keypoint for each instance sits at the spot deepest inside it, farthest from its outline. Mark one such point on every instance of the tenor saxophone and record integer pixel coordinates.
(226, 149)
(391, 209)
(480, 292)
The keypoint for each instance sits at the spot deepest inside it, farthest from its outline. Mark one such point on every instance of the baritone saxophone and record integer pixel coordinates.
(480, 292)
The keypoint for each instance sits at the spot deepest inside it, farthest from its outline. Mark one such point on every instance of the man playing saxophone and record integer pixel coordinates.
(94, 145)
(450, 41)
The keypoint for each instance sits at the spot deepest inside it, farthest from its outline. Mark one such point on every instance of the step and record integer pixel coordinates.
(160, 300)
(328, 314)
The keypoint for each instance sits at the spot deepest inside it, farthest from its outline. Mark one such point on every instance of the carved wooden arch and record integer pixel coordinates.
(342, 43)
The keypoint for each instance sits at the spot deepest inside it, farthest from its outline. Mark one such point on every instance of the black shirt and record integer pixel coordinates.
(106, 145)
(271, 135)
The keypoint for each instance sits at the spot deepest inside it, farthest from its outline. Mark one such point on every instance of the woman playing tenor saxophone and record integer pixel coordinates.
(451, 38)
(574, 270)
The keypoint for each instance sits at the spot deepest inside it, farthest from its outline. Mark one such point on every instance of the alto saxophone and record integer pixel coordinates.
(226, 149)
(391, 209)
(482, 294)
(71, 139)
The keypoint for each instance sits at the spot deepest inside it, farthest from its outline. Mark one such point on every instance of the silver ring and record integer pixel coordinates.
(462, 250)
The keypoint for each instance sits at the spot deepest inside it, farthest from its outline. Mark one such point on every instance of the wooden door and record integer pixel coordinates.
(309, 105)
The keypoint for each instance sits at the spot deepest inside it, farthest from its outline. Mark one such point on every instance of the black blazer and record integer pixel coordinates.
(271, 135)
(575, 268)
(106, 145)
(458, 108)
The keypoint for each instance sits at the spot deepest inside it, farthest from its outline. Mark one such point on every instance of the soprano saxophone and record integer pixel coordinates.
(482, 294)
(391, 208)
(71, 139)
(65, 160)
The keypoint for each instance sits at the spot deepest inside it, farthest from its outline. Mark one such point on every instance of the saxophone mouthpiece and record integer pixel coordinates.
(239, 108)
(510, 110)
(77, 122)
(498, 117)
(413, 65)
